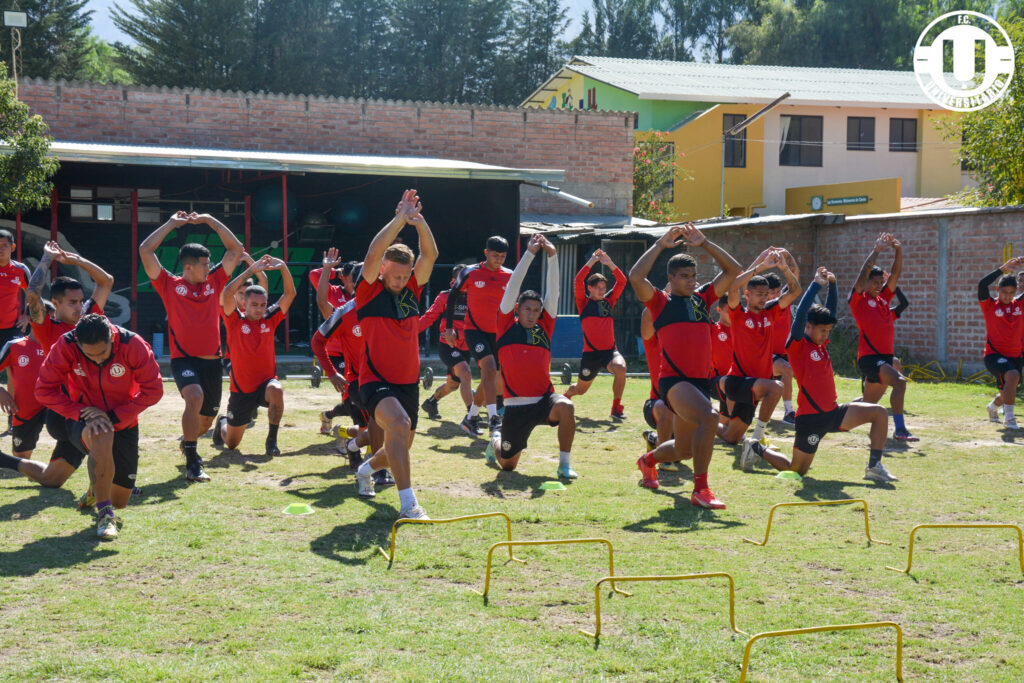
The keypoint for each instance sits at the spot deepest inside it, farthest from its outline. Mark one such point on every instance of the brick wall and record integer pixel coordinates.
(594, 148)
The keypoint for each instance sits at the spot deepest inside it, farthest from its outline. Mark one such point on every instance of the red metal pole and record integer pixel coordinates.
(248, 223)
(53, 227)
(17, 232)
(135, 260)
(284, 242)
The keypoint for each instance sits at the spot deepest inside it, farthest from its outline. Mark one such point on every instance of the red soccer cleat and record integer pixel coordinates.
(705, 498)
(649, 474)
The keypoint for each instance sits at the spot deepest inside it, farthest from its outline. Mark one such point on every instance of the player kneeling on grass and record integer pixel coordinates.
(22, 359)
(525, 325)
(253, 362)
(1004, 324)
(817, 411)
(114, 376)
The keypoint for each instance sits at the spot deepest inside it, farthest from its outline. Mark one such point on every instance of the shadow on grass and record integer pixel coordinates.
(30, 507)
(168, 490)
(609, 425)
(682, 517)
(356, 543)
(515, 481)
(831, 489)
(54, 553)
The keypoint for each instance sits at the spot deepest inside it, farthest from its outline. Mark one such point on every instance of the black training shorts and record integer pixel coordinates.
(812, 428)
(207, 373)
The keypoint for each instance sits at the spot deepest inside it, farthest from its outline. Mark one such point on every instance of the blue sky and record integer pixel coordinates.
(105, 29)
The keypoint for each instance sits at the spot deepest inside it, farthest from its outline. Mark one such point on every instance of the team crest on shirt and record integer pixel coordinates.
(357, 330)
(750, 323)
(815, 355)
(209, 290)
(813, 439)
(722, 336)
(22, 361)
(116, 370)
(263, 327)
(480, 284)
(182, 290)
(78, 370)
(872, 303)
(246, 329)
(16, 280)
(999, 313)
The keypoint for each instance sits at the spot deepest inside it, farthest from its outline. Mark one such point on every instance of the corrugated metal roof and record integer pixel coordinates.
(422, 167)
(740, 83)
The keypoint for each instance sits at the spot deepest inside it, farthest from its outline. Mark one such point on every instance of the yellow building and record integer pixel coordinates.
(844, 141)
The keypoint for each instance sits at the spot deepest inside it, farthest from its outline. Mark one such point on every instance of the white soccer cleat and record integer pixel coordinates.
(364, 485)
(993, 414)
(748, 458)
(879, 473)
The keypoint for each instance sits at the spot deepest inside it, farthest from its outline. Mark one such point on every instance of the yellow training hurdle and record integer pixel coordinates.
(394, 531)
(679, 577)
(819, 629)
(910, 548)
(561, 541)
(771, 514)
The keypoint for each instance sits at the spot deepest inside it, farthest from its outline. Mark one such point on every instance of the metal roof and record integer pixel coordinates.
(421, 167)
(741, 83)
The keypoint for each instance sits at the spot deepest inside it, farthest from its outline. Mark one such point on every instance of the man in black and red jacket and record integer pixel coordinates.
(115, 377)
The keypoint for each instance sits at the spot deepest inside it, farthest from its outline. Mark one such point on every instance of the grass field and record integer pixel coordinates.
(212, 581)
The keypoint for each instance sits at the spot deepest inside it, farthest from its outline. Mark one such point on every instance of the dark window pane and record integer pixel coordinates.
(736, 146)
(802, 141)
(902, 135)
(860, 133)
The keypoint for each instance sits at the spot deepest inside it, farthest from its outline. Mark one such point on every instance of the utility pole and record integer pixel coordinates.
(16, 21)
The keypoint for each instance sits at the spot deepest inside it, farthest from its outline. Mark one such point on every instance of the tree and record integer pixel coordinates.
(25, 168)
(456, 64)
(102, 64)
(296, 43)
(362, 33)
(655, 172)
(992, 146)
(190, 43)
(620, 28)
(867, 34)
(55, 43)
(719, 16)
(533, 49)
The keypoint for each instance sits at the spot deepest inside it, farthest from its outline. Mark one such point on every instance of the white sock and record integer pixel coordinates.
(787, 406)
(365, 469)
(492, 409)
(759, 429)
(992, 405)
(474, 410)
(1008, 411)
(563, 458)
(351, 446)
(407, 498)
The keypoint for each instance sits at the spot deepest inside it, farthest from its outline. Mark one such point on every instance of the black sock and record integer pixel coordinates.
(337, 411)
(190, 450)
(9, 462)
(432, 399)
(272, 433)
(875, 457)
